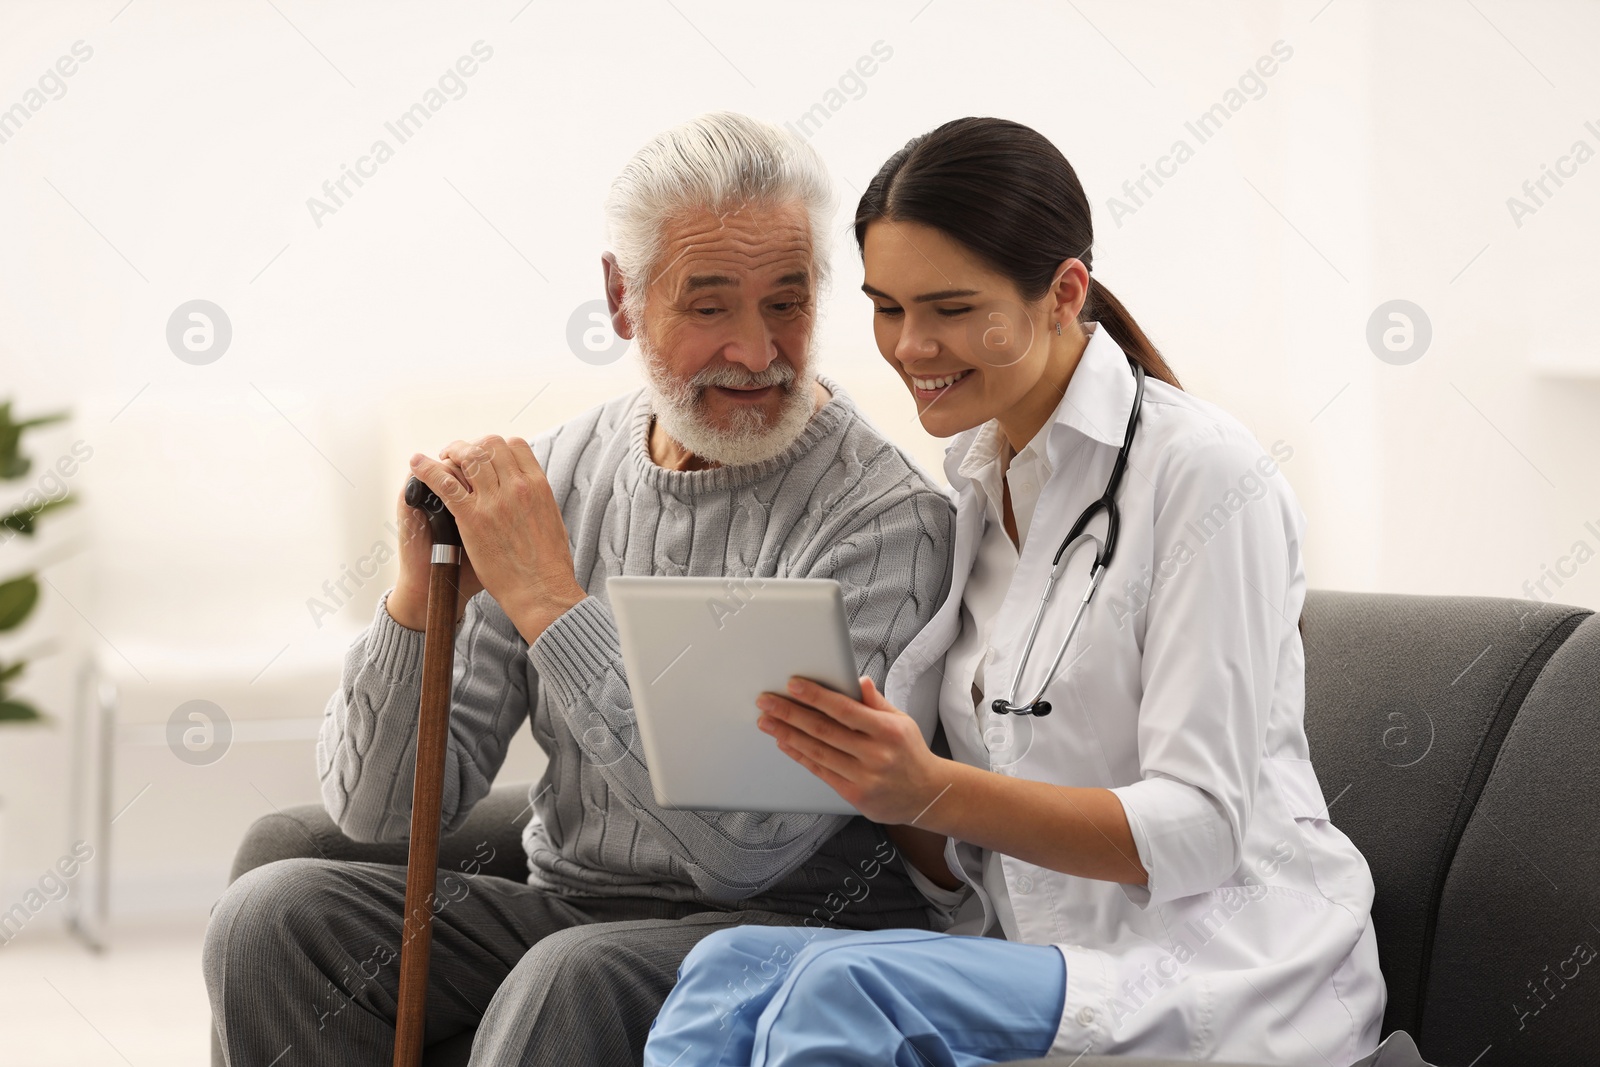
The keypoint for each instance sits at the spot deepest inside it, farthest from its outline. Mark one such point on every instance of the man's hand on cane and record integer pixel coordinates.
(514, 539)
(408, 601)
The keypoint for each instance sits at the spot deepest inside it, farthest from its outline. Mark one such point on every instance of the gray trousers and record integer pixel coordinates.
(302, 962)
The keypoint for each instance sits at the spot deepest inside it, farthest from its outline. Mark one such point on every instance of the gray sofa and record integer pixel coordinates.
(1457, 740)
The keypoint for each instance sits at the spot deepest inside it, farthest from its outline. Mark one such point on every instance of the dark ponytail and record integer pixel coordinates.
(1004, 191)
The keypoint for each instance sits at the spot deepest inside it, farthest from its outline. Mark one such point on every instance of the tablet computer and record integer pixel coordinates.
(698, 651)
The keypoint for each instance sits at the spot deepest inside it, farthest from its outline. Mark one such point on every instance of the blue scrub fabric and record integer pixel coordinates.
(763, 995)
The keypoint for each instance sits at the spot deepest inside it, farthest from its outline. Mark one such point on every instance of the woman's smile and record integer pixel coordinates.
(932, 388)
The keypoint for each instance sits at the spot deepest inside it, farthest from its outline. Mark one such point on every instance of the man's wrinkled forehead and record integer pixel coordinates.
(712, 250)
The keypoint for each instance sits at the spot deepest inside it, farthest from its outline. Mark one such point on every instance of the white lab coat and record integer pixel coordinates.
(1252, 939)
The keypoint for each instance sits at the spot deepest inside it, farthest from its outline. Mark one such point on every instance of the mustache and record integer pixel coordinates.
(778, 373)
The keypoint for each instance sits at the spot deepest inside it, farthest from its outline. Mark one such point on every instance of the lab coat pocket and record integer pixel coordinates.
(1297, 782)
(1338, 871)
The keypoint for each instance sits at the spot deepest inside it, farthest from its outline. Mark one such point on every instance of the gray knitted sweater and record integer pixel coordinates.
(841, 503)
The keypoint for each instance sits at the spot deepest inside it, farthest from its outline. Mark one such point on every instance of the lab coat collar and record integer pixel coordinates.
(1095, 405)
(1097, 400)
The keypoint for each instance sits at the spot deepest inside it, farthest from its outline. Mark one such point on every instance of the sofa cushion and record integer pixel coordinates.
(1408, 699)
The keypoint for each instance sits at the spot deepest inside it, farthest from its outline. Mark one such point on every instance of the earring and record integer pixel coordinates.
(1058, 329)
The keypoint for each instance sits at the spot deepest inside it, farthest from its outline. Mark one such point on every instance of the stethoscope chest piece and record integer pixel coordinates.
(1038, 709)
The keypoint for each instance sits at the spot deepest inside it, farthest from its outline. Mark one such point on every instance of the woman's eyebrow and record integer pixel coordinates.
(942, 294)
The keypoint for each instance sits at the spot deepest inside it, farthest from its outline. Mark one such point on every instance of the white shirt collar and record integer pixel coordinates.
(1027, 473)
(982, 461)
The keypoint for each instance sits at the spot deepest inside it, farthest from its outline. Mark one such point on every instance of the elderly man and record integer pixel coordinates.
(737, 459)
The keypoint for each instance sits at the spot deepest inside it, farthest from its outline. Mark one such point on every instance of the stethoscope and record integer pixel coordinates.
(1104, 550)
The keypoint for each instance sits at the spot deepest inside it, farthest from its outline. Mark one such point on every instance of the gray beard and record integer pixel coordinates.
(750, 438)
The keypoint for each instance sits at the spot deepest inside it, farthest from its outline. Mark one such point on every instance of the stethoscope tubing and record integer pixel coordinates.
(1036, 706)
(1104, 551)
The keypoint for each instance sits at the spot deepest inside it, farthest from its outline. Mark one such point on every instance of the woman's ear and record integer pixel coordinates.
(1070, 289)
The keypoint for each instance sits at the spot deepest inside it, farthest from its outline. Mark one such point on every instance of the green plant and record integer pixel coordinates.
(19, 595)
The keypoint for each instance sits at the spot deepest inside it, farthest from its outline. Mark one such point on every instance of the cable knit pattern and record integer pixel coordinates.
(842, 502)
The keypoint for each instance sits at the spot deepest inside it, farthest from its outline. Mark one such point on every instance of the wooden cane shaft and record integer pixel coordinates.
(422, 863)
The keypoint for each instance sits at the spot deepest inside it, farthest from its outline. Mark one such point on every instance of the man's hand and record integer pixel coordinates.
(511, 528)
(407, 602)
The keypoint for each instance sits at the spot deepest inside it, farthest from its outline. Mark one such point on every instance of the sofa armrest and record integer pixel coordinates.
(492, 835)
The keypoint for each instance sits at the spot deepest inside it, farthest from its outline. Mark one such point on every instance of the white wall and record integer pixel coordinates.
(434, 303)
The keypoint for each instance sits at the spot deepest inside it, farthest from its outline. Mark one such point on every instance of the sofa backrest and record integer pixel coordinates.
(1409, 705)
(1516, 955)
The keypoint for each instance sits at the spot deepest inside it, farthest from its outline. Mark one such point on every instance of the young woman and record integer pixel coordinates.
(1126, 808)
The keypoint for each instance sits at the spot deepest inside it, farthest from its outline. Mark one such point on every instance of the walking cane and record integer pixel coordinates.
(433, 732)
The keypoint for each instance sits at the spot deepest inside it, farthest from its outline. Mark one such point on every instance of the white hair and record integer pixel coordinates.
(718, 160)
